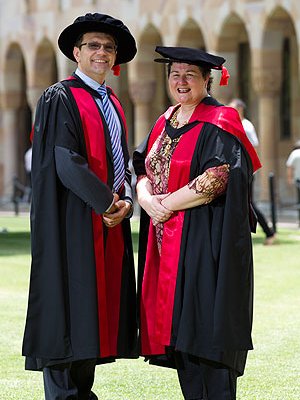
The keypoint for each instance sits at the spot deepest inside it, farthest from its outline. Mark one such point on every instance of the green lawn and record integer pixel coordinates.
(273, 368)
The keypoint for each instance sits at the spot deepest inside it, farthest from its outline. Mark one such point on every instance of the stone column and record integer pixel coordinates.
(142, 94)
(9, 152)
(65, 66)
(33, 95)
(267, 86)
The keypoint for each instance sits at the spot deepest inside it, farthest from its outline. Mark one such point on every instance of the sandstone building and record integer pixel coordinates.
(260, 40)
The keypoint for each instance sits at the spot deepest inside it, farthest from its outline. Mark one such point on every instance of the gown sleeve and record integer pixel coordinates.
(72, 169)
(212, 183)
(127, 195)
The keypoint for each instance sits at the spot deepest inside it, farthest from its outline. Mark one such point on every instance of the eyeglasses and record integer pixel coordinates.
(95, 46)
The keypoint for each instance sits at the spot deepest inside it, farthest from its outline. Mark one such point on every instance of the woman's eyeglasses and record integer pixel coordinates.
(95, 46)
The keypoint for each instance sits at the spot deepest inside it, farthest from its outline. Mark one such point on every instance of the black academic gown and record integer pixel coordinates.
(62, 323)
(212, 309)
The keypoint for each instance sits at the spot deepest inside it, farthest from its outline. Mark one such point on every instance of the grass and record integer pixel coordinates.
(273, 368)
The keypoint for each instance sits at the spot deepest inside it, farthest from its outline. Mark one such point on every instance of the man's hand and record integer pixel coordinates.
(113, 207)
(117, 213)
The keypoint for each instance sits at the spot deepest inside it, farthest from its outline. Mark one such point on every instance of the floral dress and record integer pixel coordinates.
(209, 185)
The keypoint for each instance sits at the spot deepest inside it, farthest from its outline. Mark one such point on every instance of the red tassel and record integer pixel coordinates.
(31, 133)
(116, 70)
(225, 76)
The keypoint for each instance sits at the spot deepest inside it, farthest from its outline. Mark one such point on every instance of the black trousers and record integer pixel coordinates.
(200, 381)
(72, 381)
(261, 219)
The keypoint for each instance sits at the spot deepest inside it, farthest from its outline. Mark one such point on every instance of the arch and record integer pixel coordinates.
(45, 65)
(278, 26)
(280, 33)
(233, 44)
(190, 35)
(15, 76)
(279, 63)
(150, 39)
(16, 120)
(44, 71)
(147, 83)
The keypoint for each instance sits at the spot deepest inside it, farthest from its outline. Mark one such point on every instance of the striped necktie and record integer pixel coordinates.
(117, 152)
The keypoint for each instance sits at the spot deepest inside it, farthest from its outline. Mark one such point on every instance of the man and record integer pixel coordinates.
(293, 171)
(293, 165)
(82, 301)
(250, 131)
(27, 166)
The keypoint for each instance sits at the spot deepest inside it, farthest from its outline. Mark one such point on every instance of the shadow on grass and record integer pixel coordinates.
(13, 243)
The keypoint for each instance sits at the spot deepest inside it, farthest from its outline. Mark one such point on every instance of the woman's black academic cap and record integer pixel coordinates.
(190, 56)
(193, 56)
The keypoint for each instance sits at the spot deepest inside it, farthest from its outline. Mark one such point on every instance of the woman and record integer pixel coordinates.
(195, 256)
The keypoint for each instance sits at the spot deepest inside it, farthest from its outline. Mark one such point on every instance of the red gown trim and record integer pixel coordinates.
(160, 274)
(108, 262)
(226, 118)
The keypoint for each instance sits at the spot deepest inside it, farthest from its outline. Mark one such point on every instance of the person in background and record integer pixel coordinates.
(82, 296)
(249, 128)
(195, 252)
(293, 171)
(293, 166)
(27, 166)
